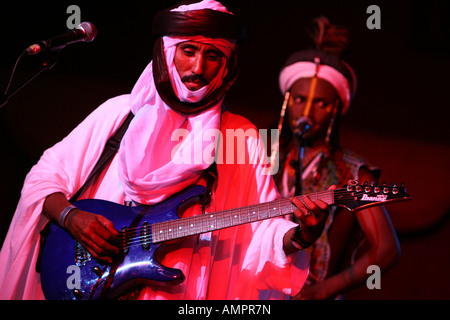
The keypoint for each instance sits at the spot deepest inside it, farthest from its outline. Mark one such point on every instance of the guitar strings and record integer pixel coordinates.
(129, 236)
(226, 214)
(287, 208)
(287, 205)
(248, 208)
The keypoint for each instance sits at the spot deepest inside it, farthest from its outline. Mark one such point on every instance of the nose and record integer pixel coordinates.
(199, 65)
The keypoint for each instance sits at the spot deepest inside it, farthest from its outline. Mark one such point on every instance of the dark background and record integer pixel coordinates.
(398, 119)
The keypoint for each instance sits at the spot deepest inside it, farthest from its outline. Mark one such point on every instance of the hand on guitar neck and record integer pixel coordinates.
(311, 217)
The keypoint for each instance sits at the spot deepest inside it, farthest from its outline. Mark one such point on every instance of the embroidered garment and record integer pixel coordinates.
(318, 175)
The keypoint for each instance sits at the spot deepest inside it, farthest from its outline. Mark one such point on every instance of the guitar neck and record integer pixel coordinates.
(174, 229)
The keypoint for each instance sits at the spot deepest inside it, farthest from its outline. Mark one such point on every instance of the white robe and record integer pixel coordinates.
(244, 262)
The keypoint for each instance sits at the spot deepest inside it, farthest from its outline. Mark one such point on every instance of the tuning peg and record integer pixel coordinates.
(351, 184)
(385, 188)
(394, 188)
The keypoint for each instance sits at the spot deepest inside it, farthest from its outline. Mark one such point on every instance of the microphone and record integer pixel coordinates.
(85, 31)
(303, 124)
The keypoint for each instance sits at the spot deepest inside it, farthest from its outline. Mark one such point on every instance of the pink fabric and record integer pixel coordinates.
(62, 168)
(147, 178)
(216, 267)
(205, 4)
(245, 262)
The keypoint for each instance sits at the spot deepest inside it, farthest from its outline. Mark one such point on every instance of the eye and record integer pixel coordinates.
(320, 104)
(299, 100)
(188, 52)
(212, 57)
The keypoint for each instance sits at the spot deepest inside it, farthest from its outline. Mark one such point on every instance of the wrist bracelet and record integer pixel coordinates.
(63, 215)
(297, 242)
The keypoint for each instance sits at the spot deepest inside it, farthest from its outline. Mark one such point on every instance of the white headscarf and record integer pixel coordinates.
(307, 69)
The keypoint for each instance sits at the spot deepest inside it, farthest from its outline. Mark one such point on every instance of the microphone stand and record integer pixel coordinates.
(299, 168)
(49, 62)
(304, 124)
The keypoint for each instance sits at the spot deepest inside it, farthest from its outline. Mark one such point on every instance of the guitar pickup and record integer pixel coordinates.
(146, 236)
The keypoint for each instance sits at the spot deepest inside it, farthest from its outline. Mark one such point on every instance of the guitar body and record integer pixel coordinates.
(68, 271)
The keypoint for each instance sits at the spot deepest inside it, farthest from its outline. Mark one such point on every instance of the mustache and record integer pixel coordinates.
(195, 78)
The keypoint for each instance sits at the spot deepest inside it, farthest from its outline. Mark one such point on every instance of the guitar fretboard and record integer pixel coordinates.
(174, 229)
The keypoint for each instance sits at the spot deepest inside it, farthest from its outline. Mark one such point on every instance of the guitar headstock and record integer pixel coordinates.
(355, 196)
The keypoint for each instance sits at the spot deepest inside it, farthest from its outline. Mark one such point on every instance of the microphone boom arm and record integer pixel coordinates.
(86, 31)
(49, 62)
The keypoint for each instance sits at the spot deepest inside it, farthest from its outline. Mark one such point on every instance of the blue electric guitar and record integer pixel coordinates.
(69, 272)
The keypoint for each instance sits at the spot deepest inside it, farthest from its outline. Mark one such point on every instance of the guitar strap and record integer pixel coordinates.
(111, 147)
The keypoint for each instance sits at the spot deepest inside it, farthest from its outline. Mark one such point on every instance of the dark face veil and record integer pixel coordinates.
(205, 22)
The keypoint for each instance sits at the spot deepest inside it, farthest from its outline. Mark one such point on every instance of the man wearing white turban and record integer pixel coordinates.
(194, 64)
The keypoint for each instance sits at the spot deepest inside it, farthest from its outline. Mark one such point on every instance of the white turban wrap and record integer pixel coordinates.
(306, 69)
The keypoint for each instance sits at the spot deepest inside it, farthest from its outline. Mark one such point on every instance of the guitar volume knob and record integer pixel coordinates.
(97, 271)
